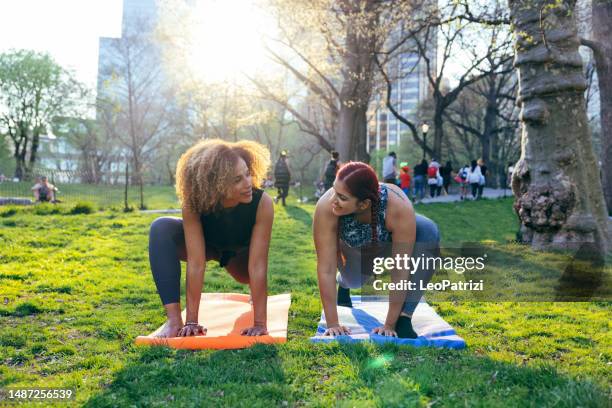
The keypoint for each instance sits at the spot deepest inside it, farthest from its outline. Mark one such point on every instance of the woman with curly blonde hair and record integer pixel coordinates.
(227, 218)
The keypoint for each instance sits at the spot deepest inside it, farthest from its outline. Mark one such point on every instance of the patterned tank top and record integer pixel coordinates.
(355, 234)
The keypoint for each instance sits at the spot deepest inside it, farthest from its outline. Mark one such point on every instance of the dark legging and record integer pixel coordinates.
(283, 192)
(167, 249)
(474, 189)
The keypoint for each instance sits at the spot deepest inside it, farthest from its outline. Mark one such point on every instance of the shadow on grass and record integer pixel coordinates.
(159, 376)
(299, 214)
(516, 273)
(340, 375)
(407, 376)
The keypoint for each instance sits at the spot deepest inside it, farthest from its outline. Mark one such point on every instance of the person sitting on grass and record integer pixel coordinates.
(356, 213)
(226, 218)
(44, 191)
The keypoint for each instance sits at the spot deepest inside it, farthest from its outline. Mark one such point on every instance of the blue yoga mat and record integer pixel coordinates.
(364, 316)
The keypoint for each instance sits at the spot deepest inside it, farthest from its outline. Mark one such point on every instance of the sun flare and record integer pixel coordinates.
(228, 40)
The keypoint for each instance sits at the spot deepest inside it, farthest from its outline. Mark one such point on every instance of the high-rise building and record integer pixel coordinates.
(131, 86)
(139, 17)
(409, 88)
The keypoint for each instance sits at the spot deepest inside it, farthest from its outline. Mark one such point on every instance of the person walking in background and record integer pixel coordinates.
(282, 177)
(330, 170)
(440, 184)
(390, 168)
(473, 178)
(483, 177)
(433, 174)
(420, 172)
(434, 163)
(405, 180)
(446, 173)
(461, 178)
(509, 176)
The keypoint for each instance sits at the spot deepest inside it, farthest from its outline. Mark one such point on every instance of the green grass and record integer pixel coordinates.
(104, 196)
(79, 291)
(113, 196)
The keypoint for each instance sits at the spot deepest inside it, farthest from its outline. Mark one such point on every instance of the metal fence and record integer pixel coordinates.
(111, 192)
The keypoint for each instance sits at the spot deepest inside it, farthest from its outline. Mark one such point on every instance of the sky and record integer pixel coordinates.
(67, 29)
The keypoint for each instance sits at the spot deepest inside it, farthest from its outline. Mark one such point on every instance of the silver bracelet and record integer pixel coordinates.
(191, 324)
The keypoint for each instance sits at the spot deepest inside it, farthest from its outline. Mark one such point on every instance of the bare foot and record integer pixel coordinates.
(170, 329)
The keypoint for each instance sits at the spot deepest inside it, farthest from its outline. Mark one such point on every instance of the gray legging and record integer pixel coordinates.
(167, 250)
(427, 243)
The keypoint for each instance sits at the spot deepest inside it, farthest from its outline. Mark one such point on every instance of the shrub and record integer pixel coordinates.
(8, 212)
(22, 309)
(82, 207)
(46, 209)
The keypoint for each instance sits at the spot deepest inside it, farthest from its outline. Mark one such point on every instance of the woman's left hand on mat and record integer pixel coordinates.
(385, 331)
(255, 331)
(192, 330)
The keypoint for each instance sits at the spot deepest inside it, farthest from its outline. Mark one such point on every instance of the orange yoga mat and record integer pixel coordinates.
(225, 315)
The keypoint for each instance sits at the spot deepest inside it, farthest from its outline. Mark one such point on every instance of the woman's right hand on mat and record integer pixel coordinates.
(337, 330)
(192, 330)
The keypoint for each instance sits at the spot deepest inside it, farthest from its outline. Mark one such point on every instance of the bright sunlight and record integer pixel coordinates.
(228, 40)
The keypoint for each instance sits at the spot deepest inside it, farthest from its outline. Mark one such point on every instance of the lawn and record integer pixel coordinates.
(101, 195)
(79, 290)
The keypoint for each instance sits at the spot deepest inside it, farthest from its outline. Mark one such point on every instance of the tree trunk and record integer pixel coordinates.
(497, 178)
(558, 194)
(34, 148)
(357, 82)
(490, 132)
(438, 123)
(21, 149)
(18, 161)
(602, 33)
(351, 140)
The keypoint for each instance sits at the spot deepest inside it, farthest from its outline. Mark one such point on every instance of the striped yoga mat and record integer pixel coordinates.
(364, 316)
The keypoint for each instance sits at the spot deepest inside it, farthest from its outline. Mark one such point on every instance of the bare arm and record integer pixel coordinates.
(325, 230)
(258, 263)
(196, 262)
(401, 222)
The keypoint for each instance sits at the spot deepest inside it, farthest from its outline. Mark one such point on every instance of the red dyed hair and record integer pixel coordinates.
(361, 181)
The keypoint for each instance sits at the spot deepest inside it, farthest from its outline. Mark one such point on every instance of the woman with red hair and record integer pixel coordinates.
(357, 213)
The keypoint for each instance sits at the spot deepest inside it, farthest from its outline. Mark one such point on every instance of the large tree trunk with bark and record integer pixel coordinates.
(556, 182)
(361, 40)
(602, 34)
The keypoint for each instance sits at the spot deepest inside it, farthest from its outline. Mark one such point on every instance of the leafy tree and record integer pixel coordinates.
(473, 43)
(96, 150)
(33, 90)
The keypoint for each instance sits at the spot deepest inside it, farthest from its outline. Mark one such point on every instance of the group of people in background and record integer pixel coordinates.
(434, 177)
(473, 175)
(426, 178)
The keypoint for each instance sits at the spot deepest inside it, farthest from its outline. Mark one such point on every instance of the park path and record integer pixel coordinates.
(487, 193)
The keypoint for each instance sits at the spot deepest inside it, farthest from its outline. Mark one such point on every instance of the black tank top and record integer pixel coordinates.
(229, 230)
